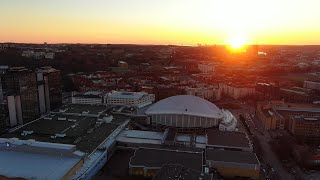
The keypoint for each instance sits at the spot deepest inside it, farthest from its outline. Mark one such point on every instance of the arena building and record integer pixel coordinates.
(189, 112)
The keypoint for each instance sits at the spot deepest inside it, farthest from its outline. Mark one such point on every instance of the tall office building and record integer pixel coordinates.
(49, 89)
(21, 93)
(3, 71)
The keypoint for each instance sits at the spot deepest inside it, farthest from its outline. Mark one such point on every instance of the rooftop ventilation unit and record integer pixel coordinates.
(85, 112)
(24, 133)
(72, 120)
(63, 110)
(62, 119)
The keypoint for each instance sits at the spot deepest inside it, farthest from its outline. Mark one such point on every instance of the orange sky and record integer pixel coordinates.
(160, 22)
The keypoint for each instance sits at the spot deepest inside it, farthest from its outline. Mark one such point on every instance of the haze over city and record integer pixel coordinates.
(160, 90)
(188, 22)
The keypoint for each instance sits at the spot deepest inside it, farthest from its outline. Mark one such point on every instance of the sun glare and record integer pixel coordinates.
(237, 42)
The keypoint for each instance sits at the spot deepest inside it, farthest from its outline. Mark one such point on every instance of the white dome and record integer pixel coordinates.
(186, 105)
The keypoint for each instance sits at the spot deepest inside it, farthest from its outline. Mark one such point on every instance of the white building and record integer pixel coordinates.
(90, 97)
(186, 111)
(27, 53)
(206, 92)
(133, 99)
(237, 92)
(206, 67)
(229, 122)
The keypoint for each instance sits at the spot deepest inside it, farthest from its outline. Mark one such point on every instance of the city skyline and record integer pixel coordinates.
(161, 22)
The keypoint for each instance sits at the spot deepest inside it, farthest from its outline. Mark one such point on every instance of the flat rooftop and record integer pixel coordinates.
(178, 172)
(156, 158)
(82, 109)
(87, 133)
(124, 94)
(297, 109)
(228, 139)
(36, 160)
(231, 156)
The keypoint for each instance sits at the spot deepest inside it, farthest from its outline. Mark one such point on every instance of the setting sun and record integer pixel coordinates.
(237, 42)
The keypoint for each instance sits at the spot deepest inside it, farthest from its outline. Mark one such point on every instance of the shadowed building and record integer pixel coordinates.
(49, 89)
(22, 97)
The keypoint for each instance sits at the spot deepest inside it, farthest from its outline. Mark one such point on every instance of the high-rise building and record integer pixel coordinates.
(3, 71)
(21, 92)
(49, 89)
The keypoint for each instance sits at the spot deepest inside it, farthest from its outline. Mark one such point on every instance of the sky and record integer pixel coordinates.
(181, 22)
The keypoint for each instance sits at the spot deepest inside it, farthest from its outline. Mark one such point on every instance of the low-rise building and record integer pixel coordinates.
(311, 85)
(227, 140)
(231, 164)
(206, 67)
(302, 122)
(237, 92)
(90, 97)
(207, 92)
(132, 99)
(148, 161)
(305, 128)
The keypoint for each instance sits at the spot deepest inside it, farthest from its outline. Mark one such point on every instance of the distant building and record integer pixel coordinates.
(22, 96)
(133, 99)
(206, 67)
(49, 88)
(297, 95)
(237, 92)
(123, 64)
(302, 122)
(49, 55)
(90, 97)
(268, 91)
(27, 54)
(305, 128)
(210, 92)
(312, 85)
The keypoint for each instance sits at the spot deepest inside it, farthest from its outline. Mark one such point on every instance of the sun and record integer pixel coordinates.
(237, 42)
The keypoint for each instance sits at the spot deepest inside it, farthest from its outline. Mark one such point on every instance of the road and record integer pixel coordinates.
(269, 157)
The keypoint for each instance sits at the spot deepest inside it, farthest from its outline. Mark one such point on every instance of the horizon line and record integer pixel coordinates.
(152, 44)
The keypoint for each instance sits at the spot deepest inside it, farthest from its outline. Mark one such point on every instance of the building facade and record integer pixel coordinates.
(22, 96)
(132, 99)
(236, 92)
(206, 67)
(91, 97)
(209, 92)
(49, 89)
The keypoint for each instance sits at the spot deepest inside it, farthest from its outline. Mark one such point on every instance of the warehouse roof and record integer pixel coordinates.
(178, 172)
(124, 94)
(244, 157)
(186, 104)
(36, 160)
(228, 139)
(156, 158)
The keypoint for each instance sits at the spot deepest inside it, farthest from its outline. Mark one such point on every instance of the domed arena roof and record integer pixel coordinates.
(186, 104)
